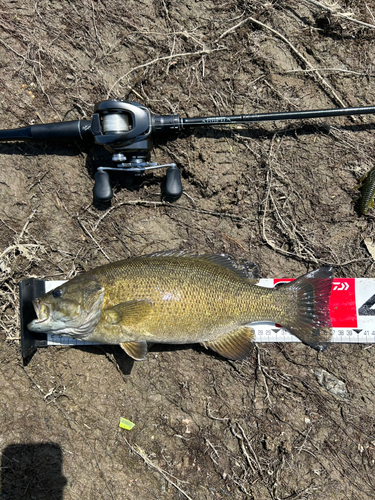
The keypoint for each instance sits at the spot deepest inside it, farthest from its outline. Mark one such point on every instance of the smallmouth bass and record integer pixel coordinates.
(176, 297)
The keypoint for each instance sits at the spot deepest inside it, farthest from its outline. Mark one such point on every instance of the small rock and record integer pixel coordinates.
(332, 384)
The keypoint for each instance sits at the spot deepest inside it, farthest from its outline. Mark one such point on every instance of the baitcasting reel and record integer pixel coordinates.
(127, 129)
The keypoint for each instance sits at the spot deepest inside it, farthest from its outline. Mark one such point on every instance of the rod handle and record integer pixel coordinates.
(60, 131)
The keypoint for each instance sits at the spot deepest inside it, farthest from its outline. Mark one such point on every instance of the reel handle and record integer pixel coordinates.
(102, 188)
(172, 187)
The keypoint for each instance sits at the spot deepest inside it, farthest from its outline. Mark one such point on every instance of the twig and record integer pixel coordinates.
(335, 70)
(233, 28)
(25, 226)
(93, 239)
(243, 438)
(264, 378)
(232, 240)
(20, 248)
(141, 453)
(339, 14)
(95, 27)
(190, 197)
(369, 11)
(213, 450)
(163, 58)
(244, 451)
(275, 485)
(250, 446)
(322, 80)
(302, 447)
(210, 415)
(17, 53)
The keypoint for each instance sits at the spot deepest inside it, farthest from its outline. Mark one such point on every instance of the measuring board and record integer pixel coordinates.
(351, 307)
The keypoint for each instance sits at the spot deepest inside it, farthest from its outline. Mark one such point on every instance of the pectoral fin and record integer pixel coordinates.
(128, 313)
(234, 345)
(136, 350)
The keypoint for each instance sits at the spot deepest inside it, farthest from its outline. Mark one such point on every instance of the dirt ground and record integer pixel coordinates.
(279, 194)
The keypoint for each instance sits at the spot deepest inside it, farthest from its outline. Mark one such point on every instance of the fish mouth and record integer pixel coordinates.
(42, 314)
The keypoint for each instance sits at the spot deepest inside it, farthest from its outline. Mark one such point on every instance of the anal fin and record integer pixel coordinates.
(136, 350)
(237, 344)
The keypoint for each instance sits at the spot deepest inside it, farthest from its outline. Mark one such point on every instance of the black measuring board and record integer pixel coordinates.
(30, 289)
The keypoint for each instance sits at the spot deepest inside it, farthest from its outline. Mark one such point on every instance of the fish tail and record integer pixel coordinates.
(310, 319)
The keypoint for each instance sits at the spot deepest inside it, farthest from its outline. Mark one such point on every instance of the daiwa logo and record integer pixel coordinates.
(340, 287)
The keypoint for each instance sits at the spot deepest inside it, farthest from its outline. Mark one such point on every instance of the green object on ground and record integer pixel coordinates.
(126, 424)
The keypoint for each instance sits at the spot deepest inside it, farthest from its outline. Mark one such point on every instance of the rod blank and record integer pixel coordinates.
(288, 115)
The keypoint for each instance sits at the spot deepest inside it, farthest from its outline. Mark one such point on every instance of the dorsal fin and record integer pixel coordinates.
(243, 268)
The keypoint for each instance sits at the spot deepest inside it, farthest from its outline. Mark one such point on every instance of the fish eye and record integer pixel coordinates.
(57, 293)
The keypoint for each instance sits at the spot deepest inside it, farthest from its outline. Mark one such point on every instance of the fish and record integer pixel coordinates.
(367, 192)
(178, 297)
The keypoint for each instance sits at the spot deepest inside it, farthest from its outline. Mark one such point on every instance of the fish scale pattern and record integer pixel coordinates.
(194, 298)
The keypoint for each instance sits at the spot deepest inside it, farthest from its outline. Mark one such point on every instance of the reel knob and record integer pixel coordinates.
(172, 187)
(102, 188)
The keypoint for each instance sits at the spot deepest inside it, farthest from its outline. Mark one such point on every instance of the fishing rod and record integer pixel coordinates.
(127, 130)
